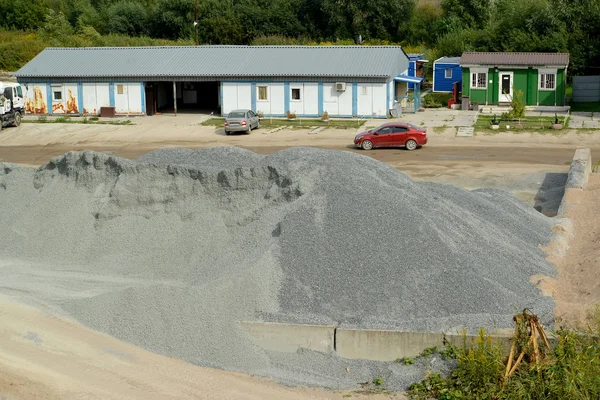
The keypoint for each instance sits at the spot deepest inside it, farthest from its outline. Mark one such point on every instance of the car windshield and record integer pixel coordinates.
(237, 114)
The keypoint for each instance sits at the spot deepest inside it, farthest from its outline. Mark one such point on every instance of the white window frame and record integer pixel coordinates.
(54, 92)
(258, 87)
(542, 79)
(446, 70)
(299, 89)
(364, 91)
(475, 74)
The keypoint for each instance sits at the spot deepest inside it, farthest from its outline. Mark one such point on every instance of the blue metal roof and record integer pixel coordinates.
(217, 62)
(448, 60)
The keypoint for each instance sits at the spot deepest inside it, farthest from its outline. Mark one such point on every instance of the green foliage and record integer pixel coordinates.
(127, 18)
(405, 361)
(378, 381)
(458, 25)
(570, 371)
(517, 106)
(22, 14)
(436, 100)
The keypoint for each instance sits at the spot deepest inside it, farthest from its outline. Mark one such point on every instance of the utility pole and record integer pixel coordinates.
(196, 23)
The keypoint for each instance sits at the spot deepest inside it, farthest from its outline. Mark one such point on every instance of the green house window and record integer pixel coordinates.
(547, 80)
(478, 80)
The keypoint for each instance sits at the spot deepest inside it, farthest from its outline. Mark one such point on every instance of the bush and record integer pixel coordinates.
(571, 370)
(436, 100)
(517, 106)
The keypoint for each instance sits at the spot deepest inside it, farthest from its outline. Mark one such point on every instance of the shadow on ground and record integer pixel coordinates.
(550, 194)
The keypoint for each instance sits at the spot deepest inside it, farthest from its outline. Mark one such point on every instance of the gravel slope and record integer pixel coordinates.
(170, 251)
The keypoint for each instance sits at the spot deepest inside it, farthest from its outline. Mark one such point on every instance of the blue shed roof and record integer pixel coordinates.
(447, 60)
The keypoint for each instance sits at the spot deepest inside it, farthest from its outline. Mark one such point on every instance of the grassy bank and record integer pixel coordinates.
(526, 123)
(298, 123)
(69, 120)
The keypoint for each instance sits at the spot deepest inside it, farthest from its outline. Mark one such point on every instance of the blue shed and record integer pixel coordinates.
(446, 71)
(415, 67)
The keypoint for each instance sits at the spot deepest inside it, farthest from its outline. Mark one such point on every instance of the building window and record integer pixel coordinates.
(448, 73)
(364, 90)
(57, 95)
(296, 94)
(262, 93)
(547, 81)
(119, 89)
(479, 80)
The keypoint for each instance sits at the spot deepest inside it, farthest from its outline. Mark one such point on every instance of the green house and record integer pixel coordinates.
(493, 78)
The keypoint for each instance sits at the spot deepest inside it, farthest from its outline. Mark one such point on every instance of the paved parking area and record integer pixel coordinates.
(586, 120)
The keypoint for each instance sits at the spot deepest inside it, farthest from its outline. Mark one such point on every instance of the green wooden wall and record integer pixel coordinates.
(525, 80)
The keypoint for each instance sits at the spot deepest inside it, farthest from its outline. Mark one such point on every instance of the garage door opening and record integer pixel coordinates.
(182, 97)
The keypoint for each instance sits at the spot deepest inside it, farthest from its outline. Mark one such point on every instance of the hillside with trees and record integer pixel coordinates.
(438, 28)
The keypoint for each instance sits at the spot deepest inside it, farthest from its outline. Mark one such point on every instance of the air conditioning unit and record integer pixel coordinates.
(340, 86)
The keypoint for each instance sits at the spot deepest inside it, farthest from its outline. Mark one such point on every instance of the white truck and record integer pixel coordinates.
(12, 104)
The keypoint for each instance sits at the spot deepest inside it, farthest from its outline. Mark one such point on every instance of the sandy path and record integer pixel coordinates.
(44, 357)
(578, 286)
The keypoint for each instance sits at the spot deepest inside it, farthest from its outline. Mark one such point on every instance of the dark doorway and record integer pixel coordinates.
(200, 97)
(150, 98)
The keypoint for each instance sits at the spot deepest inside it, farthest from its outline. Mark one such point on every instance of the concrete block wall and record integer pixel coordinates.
(578, 176)
(368, 344)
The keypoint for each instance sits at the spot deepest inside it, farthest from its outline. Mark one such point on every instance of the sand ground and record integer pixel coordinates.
(577, 289)
(45, 357)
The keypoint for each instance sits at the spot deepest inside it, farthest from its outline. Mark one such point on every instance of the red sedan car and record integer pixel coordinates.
(394, 134)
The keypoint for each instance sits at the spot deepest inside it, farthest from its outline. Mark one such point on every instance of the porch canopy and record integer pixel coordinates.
(410, 102)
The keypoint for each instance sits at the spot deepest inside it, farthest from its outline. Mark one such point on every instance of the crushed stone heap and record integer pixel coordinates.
(170, 251)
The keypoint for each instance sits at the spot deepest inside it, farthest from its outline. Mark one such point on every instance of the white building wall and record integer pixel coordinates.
(365, 99)
(128, 98)
(335, 102)
(95, 96)
(311, 98)
(297, 106)
(236, 95)
(379, 100)
(36, 98)
(275, 102)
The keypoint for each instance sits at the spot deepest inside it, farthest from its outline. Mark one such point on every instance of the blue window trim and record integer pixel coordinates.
(80, 98)
(49, 97)
(320, 97)
(389, 105)
(143, 97)
(286, 97)
(354, 98)
(253, 95)
(111, 94)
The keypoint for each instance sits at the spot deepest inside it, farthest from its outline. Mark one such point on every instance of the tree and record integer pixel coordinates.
(173, 19)
(471, 13)
(425, 25)
(127, 18)
(377, 19)
(22, 14)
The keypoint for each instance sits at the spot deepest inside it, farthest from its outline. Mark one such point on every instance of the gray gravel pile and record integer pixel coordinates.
(171, 251)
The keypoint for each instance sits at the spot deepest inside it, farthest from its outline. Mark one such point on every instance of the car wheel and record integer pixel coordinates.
(17, 121)
(258, 125)
(411, 144)
(366, 145)
(249, 129)
(227, 133)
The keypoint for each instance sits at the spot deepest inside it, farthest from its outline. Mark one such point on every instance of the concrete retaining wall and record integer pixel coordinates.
(578, 177)
(289, 338)
(382, 345)
(368, 344)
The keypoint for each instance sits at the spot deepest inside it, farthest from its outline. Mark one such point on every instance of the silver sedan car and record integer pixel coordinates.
(241, 121)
